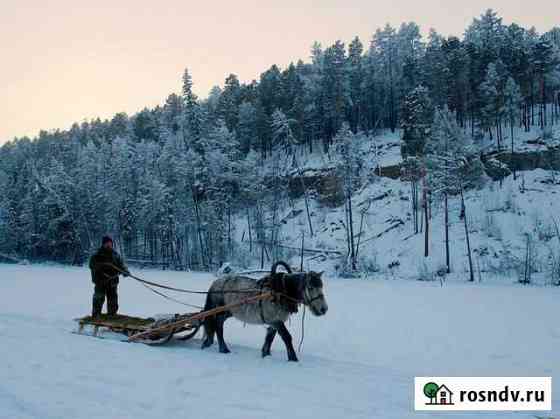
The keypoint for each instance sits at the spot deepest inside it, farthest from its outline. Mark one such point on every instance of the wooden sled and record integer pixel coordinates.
(130, 326)
(157, 332)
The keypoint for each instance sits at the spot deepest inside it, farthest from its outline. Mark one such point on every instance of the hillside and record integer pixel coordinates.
(503, 217)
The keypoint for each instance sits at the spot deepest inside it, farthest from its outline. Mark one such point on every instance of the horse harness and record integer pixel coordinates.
(278, 285)
(310, 300)
(290, 296)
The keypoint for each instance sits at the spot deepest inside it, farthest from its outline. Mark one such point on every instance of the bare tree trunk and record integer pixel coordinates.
(526, 271)
(308, 212)
(186, 248)
(249, 230)
(447, 261)
(412, 204)
(426, 227)
(347, 224)
(360, 233)
(422, 217)
(414, 200)
(464, 211)
(392, 93)
(512, 147)
(532, 111)
(199, 231)
(301, 254)
(306, 200)
(274, 232)
(230, 246)
(543, 103)
(351, 222)
(498, 133)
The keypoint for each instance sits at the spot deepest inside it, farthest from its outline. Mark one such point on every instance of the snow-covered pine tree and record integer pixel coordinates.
(172, 113)
(247, 134)
(435, 70)
(348, 165)
(457, 80)
(416, 121)
(512, 106)
(412, 170)
(356, 78)
(491, 110)
(230, 99)
(545, 60)
(453, 165)
(191, 111)
(283, 135)
(334, 89)
(383, 51)
(222, 160)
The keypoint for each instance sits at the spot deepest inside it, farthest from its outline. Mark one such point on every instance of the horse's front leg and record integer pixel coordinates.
(270, 334)
(287, 338)
(220, 334)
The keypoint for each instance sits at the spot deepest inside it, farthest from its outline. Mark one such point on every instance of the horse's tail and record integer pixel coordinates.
(209, 323)
(280, 263)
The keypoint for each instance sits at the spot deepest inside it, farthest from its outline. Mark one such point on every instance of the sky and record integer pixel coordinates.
(65, 61)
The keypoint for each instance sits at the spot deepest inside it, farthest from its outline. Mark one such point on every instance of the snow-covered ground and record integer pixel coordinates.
(358, 361)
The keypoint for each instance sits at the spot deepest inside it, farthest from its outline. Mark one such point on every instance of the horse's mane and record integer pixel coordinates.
(288, 285)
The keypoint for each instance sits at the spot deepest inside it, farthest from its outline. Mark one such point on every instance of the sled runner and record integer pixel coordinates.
(148, 327)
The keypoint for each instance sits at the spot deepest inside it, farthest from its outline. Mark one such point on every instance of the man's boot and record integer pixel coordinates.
(96, 311)
(112, 300)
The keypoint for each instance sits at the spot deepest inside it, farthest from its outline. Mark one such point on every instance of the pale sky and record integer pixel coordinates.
(64, 61)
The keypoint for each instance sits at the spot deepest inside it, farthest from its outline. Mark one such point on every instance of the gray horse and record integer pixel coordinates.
(292, 289)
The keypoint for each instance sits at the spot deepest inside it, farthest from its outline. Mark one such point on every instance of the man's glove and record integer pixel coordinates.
(126, 273)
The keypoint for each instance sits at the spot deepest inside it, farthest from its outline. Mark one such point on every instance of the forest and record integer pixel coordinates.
(197, 182)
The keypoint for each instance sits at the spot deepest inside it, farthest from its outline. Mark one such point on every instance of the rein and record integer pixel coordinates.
(155, 284)
(302, 330)
(167, 297)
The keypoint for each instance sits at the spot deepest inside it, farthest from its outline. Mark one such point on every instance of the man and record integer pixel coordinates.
(106, 265)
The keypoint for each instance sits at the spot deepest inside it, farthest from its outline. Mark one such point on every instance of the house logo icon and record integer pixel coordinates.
(439, 395)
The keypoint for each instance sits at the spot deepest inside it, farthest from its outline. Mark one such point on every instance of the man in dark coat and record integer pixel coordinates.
(106, 277)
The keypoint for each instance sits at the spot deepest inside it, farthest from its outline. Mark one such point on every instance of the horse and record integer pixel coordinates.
(289, 290)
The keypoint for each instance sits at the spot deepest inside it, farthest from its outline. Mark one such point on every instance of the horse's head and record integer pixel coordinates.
(313, 296)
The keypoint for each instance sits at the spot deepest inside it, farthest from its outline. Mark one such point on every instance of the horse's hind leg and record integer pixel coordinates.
(209, 331)
(220, 334)
(270, 334)
(287, 338)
